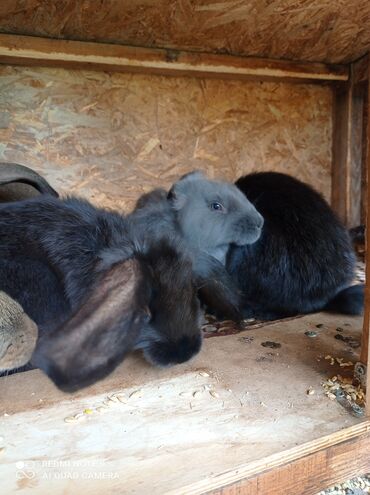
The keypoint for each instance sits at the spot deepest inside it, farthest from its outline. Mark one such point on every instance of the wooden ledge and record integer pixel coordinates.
(309, 474)
(27, 50)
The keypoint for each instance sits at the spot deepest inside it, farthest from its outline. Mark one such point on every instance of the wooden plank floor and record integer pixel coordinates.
(236, 409)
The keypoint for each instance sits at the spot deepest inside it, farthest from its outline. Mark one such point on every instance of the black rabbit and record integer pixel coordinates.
(303, 261)
(107, 290)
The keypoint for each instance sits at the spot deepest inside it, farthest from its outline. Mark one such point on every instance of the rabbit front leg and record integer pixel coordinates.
(216, 289)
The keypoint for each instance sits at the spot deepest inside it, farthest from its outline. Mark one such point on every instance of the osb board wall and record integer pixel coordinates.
(316, 30)
(110, 137)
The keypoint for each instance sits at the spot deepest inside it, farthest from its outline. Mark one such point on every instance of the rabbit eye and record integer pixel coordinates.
(217, 206)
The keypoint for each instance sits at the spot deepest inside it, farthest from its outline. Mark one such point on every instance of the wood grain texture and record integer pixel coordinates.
(28, 50)
(311, 30)
(360, 73)
(341, 151)
(365, 154)
(360, 69)
(310, 474)
(358, 133)
(365, 347)
(349, 133)
(111, 137)
(171, 435)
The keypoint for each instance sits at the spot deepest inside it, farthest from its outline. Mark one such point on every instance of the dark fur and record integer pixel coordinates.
(18, 182)
(185, 212)
(174, 306)
(70, 248)
(99, 334)
(357, 235)
(25, 279)
(153, 218)
(303, 261)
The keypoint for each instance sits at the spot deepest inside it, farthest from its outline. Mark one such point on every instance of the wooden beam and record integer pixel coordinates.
(348, 136)
(303, 460)
(26, 50)
(310, 474)
(365, 349)
(365, 154)
(361, 69)
(340, 152)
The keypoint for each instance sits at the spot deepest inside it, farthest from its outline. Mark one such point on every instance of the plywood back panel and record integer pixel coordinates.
(111, 137)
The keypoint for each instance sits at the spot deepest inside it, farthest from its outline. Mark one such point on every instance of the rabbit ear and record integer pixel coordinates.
(176, 199)
(177, 195)
(193, 175)
(12, 172)
(99, 334)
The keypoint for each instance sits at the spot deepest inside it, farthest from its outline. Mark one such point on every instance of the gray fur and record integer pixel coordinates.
(212, 231)
(185, 214)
